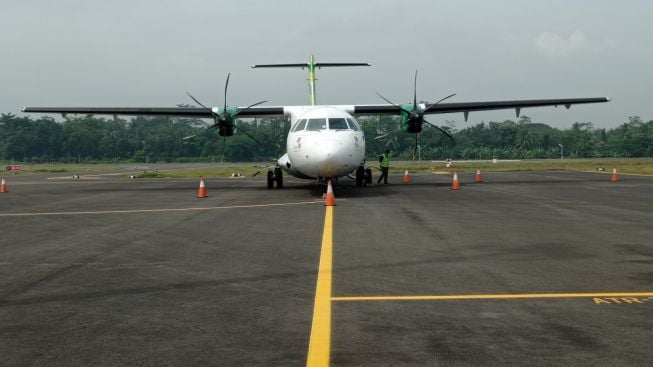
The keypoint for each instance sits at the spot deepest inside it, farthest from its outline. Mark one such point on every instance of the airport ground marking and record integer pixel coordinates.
(493, 296)
(621, 300)
(319, 348)
(162, 210)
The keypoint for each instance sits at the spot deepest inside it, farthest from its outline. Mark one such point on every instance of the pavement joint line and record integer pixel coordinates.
(489, 296)
(319, 347)
(163, 210)
(607, 172)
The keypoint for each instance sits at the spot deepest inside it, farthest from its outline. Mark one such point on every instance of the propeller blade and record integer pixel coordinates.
(396, 105)
(415, 150)
(224, 147)
(433, 104)
(415, 91)
(189, 137)
(198, 102)
(251, 137)
(226, 86)
(248, 107)
(442, 130)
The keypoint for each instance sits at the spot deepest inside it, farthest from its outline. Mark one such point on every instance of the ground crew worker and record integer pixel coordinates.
(384, 160)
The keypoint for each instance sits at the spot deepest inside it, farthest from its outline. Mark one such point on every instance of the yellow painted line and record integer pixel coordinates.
(319, 347)
(491, 296)
(163, 210)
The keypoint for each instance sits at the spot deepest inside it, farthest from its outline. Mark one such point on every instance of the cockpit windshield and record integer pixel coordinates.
(300, 125)
(353, 124)
(316, 124)
(334, 123)
(337, 123)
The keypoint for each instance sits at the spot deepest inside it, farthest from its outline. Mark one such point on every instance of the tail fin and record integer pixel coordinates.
(311, 65)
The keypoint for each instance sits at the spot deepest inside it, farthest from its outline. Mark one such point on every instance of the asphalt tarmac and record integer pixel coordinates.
(530, 268)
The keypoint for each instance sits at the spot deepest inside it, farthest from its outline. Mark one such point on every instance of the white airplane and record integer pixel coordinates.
(325, 142)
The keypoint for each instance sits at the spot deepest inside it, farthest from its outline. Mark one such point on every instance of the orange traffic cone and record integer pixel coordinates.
(478, 178)
(455, 185)
(614, 178)
(3, 186)
(201, 193)
(406, 177)
(330, 198)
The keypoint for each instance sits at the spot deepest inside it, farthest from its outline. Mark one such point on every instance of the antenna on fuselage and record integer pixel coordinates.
(311, 65)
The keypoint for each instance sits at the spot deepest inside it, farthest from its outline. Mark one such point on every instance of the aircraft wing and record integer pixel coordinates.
(467, 107)
(369, 109)
(197, 112)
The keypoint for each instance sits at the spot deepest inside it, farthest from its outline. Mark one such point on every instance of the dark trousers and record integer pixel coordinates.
(384, 175)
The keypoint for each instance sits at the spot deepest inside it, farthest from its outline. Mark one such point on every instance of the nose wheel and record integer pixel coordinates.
(363, 176)
(275, 176)
(360, 176)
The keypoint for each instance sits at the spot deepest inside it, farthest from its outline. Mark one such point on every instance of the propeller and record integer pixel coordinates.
(225, 118)
(413, 115)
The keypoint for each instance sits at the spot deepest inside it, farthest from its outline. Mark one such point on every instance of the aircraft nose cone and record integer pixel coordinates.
(327, 154)
(329, 148)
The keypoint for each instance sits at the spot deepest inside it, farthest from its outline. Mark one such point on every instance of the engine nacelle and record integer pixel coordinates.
(225, 121)
(410, 122)
(225, 129)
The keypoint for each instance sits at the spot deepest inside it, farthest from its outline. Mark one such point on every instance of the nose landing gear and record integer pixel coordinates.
(275, 176)
(363, 176)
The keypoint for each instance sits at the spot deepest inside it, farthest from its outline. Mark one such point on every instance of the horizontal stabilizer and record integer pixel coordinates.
(317, 65)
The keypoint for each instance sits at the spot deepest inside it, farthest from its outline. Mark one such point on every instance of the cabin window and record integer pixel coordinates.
(353, 124)
(316, 124)
(337, 123)
(300, 125)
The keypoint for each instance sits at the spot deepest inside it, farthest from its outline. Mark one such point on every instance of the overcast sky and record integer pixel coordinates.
(150, 52)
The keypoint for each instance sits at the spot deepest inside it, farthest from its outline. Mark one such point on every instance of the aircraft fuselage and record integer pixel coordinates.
(323, 142)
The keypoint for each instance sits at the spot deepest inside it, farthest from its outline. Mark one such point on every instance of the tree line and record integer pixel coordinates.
(159, 139)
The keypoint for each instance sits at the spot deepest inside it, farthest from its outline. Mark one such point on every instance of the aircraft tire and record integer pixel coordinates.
(360, 176)
(270, 179)
(368, 176)
(279, 176)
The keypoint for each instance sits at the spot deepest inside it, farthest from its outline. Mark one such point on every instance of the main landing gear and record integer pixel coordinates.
(363, 176)
(275, 176)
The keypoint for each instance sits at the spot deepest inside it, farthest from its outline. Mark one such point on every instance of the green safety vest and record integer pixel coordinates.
(385, 163)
